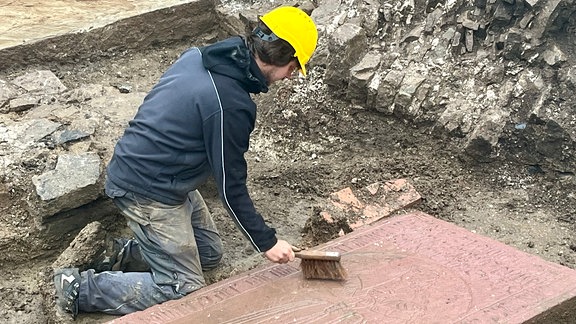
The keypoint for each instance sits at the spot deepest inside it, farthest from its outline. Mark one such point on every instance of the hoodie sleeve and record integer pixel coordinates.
(227, 136)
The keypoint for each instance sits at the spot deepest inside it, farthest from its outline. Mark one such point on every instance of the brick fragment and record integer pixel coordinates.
(383, 200)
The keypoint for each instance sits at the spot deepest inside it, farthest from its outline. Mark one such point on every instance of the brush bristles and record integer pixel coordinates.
(322, 269)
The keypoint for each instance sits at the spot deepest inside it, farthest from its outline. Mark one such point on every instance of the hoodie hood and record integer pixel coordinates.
(232, 58)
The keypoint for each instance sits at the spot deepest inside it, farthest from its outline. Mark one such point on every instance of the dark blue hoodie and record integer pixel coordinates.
(194, 123)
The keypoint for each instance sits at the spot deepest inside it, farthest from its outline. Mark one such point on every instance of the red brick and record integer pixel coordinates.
(387, 198)
(346, 200)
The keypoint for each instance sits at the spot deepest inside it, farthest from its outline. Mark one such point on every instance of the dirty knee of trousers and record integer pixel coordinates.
(210, 262)
(210, 251)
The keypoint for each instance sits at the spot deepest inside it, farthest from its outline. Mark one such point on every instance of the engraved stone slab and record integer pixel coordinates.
(410, 268)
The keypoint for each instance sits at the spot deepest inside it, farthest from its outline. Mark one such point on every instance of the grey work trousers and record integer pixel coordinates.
(174, 242)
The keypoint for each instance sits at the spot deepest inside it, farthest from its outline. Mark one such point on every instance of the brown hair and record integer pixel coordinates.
(269, 48)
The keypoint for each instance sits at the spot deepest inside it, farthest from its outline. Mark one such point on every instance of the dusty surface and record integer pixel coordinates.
(307, 146)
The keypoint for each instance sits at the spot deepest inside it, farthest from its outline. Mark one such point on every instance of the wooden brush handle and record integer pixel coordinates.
(318, 255)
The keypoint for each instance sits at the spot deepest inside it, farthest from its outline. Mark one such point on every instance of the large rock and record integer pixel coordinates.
(387, 89)
(347, 46)
(411, 92)
(75, 181)
(360, 77)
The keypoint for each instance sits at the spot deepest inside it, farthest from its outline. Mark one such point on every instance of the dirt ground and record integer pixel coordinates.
(308, 145)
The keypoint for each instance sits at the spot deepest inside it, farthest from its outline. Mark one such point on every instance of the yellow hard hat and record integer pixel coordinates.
(297, 28)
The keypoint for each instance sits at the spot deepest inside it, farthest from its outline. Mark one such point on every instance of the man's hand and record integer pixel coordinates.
(280, 253)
